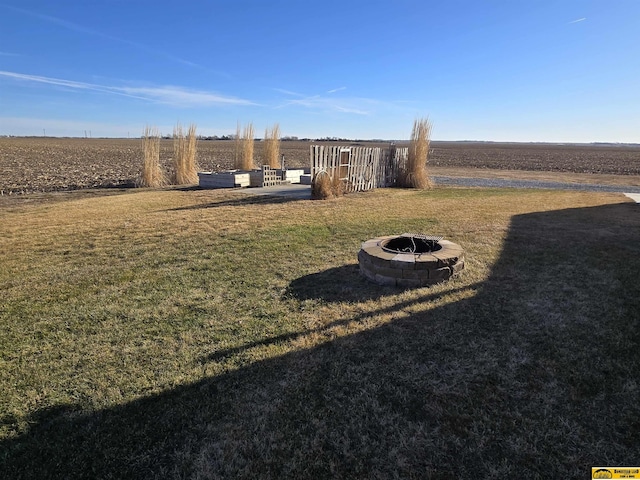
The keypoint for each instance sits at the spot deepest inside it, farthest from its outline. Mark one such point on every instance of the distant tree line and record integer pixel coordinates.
(233, 136)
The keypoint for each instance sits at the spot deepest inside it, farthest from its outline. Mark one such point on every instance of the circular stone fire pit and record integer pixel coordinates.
(410, 260)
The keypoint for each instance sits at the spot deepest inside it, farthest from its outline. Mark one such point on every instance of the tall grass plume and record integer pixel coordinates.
(414, 174)
(184, 155)
(246, 142)
(271, 147)
(152, 174)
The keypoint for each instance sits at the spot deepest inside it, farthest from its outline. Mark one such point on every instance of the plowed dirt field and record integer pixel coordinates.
(30, 165)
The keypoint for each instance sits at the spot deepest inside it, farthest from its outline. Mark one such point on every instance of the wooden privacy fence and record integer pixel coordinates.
(360, 168)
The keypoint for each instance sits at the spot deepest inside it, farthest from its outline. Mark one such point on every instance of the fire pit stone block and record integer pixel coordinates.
(385, 266)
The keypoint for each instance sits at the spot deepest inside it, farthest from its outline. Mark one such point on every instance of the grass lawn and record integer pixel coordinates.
(209, 334)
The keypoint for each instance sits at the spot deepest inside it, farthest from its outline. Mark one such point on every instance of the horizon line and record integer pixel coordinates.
(331, 139)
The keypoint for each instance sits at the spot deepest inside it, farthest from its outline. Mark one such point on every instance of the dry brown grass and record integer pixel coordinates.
(337, 186)
(271, 147)
(148, 332)
(245, 160)
(184, 155)
(326, 185)
(152, 174)
(415, 173)
(321, 186)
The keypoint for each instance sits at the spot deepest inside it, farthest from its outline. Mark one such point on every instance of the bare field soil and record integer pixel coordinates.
(30, 165)
(592, 159)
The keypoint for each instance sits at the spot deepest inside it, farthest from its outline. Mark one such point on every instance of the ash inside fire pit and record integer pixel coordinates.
(410, 260)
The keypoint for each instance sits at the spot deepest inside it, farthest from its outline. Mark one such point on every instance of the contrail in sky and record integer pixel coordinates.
(89, 31)
(578, 20)
(160, 94)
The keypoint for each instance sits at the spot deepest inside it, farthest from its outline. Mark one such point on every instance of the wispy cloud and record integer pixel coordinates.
(64, 83)
(357, 111)
(327, 103)
(578, 20)
(9, 54)
(183, 97)
(288, 92)
(89, 31)
(171, 95)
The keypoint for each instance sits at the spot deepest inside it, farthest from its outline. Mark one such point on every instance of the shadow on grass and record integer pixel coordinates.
(330, 293)
(535, 376)
(339, 284)
(345, 284)
(64, 195)
(239, 202)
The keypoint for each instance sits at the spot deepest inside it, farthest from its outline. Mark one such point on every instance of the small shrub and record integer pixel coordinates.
(271, 153)
(152, 174)
(415, 175)
(184, 155)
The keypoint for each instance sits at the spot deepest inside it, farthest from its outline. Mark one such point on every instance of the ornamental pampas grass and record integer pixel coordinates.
(271, 151)
(415, 172)
(246, 162)
(152, 174)
(184, 155)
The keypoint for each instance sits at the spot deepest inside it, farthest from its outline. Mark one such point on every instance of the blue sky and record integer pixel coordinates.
(556, 71)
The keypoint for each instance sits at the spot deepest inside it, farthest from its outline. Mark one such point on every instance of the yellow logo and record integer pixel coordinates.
(615, 472)
(601, 473)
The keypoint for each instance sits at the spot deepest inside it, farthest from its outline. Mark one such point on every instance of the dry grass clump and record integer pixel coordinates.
(321, 186)
(152, 174)
(244, 148)
(414, 175)
(271, 149)
(325, 186)
(184, 155)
